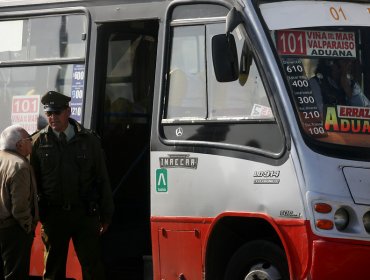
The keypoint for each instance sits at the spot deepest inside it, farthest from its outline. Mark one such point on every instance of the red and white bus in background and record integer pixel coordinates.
(237, 133)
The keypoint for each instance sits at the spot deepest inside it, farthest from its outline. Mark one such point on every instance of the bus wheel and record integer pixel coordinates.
(258, 260)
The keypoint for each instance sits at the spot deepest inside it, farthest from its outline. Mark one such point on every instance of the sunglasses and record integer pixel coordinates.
(55, 113)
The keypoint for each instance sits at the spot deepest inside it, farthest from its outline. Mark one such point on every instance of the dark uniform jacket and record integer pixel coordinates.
(74, 174)
(18, 202)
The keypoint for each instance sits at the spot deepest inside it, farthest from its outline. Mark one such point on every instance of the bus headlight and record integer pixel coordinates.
(366, 221)
(341, 219)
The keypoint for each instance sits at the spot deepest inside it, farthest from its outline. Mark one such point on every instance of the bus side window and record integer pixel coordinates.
(37, 59)
(187, 92)
(241, 98)
(190, 88)
(212, 111)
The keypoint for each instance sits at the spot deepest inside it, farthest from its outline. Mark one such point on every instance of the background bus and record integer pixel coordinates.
(227, 160)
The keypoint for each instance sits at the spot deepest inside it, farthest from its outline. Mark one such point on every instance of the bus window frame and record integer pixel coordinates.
(162, 121)
(327, 148)
(49, 12)
(332, 150)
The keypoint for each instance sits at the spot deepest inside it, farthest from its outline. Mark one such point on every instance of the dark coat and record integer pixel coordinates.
(73, 174)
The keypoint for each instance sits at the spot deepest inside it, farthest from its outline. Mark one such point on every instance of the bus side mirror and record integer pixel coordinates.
(225, 58)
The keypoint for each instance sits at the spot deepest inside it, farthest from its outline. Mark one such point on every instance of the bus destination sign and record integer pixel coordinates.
(316, 43)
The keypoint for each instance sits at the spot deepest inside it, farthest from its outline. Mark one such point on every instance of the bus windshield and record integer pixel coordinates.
(322, 49)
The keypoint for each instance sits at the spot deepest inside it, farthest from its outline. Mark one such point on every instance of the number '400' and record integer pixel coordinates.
(300, 83)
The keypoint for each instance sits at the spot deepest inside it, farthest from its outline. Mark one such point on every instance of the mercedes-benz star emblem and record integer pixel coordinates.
(179, 131)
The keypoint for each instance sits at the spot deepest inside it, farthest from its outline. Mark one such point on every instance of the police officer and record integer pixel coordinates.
(74, 191)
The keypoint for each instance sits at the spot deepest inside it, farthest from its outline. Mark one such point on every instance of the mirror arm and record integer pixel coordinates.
(233, 19)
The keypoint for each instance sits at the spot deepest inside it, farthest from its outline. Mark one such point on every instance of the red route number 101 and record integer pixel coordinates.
(291, 42)
(25, 104)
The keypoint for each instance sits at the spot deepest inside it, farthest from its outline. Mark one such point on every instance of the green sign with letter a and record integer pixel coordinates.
(161, 180)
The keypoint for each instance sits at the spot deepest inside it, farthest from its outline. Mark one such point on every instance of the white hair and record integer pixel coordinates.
(10, 137)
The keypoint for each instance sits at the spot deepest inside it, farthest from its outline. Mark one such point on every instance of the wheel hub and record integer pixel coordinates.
(263, 271)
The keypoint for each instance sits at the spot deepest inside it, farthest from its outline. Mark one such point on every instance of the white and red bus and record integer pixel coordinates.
(237, 133)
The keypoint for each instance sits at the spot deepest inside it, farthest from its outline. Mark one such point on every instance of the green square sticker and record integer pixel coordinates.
(161, 180)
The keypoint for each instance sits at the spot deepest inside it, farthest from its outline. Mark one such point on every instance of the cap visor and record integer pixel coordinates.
(53, 109)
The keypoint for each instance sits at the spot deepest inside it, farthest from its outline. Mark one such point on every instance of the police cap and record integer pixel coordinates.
(55, 101)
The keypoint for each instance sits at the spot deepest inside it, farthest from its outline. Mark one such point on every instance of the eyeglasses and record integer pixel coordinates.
(56, 113)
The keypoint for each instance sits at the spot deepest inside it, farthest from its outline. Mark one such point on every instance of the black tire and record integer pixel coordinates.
(266, 255)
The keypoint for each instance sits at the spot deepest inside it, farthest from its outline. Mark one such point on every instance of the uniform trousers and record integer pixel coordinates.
(59, 226)
(15, 244)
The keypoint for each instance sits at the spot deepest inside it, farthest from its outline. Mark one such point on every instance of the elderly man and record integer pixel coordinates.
(18, 204)
(74, 191)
